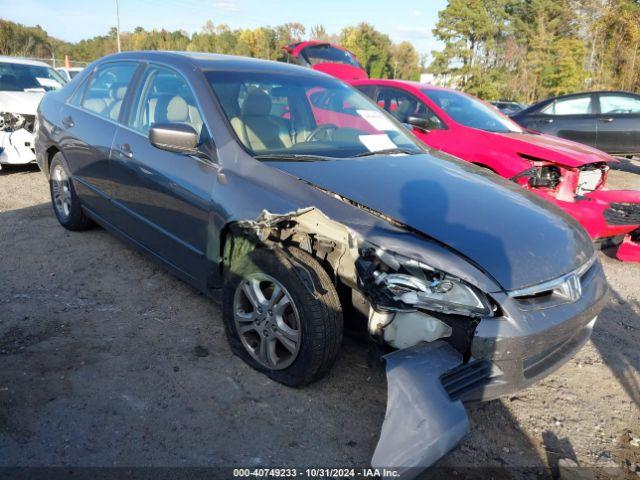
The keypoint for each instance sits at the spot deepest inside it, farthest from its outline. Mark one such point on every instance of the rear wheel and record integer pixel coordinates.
(282, 315)
(65, 201)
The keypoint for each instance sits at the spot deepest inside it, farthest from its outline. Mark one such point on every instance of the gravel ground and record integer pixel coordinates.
(99, 367)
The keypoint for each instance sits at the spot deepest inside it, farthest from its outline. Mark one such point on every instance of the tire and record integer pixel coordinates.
(314, 306)
(64, 200)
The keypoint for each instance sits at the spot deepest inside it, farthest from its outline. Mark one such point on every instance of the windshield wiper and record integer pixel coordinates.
(292, 157)
(388, 151)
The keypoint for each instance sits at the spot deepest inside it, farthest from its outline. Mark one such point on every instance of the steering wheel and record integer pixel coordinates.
(323, 132)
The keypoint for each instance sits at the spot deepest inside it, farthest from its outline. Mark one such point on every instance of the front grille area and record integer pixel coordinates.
(622, 214)
(29, 122)
(466, 378)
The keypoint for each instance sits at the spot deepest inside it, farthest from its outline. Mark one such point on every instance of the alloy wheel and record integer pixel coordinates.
(61, 189)
(267, 321)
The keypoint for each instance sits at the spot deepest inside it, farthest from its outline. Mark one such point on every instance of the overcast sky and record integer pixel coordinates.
(74, 20)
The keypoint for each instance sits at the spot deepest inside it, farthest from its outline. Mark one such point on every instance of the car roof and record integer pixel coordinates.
(399, 83)
(212, 61)
(22, 61)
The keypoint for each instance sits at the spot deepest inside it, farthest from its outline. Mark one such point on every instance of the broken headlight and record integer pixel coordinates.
(11, 121)
(404, 283)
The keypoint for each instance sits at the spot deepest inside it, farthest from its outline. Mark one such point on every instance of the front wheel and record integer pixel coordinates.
(282, 315)
(65, 201)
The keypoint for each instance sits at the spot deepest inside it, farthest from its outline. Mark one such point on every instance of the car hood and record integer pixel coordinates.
(515, 237)
(552, 149)
(341, 71)
(25, 103)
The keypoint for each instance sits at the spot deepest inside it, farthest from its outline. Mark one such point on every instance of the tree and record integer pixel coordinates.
(405, 61)
(372, 48)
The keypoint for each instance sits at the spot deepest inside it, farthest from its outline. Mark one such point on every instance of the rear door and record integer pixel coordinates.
(619, 123)
(403, 104)
(163, 198)
(572, 118)
(89, 122)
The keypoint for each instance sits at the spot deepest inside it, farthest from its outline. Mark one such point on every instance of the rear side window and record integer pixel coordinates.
(569, 106)
(164, 97)
(619, 104)
(107, 88)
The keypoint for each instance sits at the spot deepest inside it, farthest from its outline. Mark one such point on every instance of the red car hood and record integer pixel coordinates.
(341, 71)
(552, 149)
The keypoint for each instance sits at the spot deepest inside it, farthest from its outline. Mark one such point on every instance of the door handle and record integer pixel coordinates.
(68, 122)
(546, 120)
(125, 149)
(606, 119)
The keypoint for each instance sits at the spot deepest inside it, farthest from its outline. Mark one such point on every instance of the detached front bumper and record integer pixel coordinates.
(532, 340)
(17, 147)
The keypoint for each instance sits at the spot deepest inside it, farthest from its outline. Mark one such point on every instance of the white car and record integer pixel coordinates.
(69, 73)
(23, 83)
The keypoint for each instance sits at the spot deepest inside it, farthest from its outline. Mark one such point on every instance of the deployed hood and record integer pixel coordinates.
(25, 103)
(341, 71)
(554, 149)
(516, 237)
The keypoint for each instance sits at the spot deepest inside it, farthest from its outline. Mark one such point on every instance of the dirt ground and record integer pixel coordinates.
(98, 367)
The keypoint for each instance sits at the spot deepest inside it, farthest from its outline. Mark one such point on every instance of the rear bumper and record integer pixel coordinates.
(526, 345)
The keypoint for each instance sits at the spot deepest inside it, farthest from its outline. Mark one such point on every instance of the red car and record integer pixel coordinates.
(328, 58)
(569, 174)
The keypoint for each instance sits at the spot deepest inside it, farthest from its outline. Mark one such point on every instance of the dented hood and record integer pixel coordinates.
(517, 238)
(25, 103)
(552, 149)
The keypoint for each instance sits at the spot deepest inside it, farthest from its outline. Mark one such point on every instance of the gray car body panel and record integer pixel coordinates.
(422, 423)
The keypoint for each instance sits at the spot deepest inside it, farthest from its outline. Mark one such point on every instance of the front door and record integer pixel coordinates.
(164, 198)
(403, 104)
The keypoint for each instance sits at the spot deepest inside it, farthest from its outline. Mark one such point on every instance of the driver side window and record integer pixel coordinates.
(403, 105)
(165, 97)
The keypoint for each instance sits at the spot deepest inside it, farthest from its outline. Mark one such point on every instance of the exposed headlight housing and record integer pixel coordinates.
(400, 283)
(11, 121)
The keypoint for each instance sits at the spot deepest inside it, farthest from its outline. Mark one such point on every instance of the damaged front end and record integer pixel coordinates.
(611, 217)
(422, 317)
(16, 138)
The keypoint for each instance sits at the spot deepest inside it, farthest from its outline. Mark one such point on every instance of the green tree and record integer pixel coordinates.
(371, 47)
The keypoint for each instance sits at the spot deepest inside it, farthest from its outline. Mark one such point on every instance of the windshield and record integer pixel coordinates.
(17, 77)
(471, 112)
(305, 115)
(328, 54)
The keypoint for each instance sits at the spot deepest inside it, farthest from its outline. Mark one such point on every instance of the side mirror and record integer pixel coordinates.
(419, 122)
(174, 137)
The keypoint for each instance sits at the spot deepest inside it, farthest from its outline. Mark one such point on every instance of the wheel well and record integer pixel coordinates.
(51, 151)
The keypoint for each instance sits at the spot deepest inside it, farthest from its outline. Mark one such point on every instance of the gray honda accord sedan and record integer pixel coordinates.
(306, 207)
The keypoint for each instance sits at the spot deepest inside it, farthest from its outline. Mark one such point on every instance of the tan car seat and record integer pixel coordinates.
(257, 128)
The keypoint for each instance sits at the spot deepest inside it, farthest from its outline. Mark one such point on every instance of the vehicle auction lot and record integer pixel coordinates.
(103, 364)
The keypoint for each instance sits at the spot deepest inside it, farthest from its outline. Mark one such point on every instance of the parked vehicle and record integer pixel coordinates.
(68, 72)
(224, 170)
(328, 58)
(22, 85)
(606, 120)
(568, 174)
(508, 107)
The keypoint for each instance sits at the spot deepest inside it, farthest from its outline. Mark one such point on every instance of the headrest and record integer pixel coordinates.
(117, 91)
(171, 108)
(256, 103)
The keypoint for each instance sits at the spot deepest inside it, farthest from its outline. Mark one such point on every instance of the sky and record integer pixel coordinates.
(73, 20)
